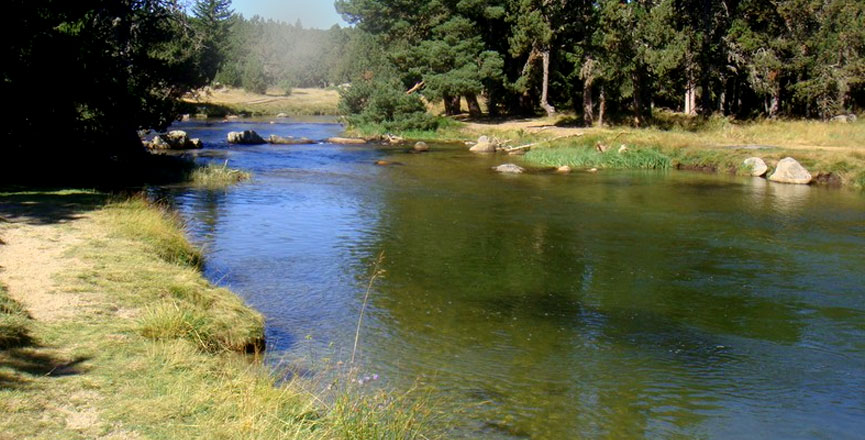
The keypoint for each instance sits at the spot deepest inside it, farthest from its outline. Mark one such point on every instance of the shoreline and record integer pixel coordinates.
(122, 337)
(834, 153)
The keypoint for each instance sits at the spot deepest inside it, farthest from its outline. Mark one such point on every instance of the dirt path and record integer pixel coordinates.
(31, 259)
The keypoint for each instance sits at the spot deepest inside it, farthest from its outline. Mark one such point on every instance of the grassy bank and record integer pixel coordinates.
(301, 102)
(833, 152)
(127, 340)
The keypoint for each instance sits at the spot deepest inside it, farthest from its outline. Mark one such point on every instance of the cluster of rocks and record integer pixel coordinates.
(174, 140)
(788, 170)
(250, 137)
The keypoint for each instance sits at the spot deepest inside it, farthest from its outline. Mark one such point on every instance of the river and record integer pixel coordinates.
(544, 306)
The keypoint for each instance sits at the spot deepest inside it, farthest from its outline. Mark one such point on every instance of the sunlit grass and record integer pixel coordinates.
(301, 102)
(589, 157)
(156, 352)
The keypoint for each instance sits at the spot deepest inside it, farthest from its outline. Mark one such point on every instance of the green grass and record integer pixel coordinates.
(213, 176)
(155, 351)
(157, 228)
(589, 157)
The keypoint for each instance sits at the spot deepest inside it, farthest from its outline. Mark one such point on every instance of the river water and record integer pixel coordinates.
(608, 305)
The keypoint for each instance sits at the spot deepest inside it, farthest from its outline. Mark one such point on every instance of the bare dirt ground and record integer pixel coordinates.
(31, 259)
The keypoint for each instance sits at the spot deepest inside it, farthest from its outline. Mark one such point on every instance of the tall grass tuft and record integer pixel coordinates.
(213, 176)
(14, 322)
(221, 325)
(589, 157)
(160, 229)
(359, 415)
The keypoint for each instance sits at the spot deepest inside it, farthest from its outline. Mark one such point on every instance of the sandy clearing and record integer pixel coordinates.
(30, 259)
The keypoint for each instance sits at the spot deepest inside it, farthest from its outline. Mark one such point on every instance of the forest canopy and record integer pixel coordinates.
(609, 58)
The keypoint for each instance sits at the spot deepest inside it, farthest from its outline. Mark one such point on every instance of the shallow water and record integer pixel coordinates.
(615, 305)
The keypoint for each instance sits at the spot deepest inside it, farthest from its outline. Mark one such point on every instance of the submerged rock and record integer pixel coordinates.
(790, 171)
(274, 139)
(344, 140)
(421, 147)
(509, 168)
(246, 137)
(757, 166)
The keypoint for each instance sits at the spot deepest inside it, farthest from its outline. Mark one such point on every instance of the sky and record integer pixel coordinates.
(312, 13)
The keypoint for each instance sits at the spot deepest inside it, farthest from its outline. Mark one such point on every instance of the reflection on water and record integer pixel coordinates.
(613, 305)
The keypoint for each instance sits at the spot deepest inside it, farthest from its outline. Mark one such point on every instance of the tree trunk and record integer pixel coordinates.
(452, 104)
(545, 86)
(492, 104)
(588, 116)
(691, 98)
(603, 106)
(639, 120)
(474, 106)
(775, 103)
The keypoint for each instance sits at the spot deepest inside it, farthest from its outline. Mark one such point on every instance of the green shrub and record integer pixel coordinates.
(383, 102)
(287, 85)
(253, 78)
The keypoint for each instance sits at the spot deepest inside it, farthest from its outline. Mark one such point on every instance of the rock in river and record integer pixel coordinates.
(246, 137)
(509, 168)
(484, 145)
(274, 139)
(174, 140)
(343, 140)
(790, 171)
(757, 166)
(421, 147)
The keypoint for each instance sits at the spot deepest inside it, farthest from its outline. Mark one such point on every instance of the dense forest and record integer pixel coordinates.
(99, 70)
(613, 58)
(263, 53)
(83, 77)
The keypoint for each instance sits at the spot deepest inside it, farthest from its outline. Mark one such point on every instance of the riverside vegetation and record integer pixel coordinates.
(834, 152)
(113, 333)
